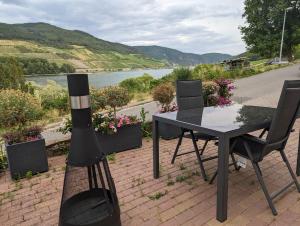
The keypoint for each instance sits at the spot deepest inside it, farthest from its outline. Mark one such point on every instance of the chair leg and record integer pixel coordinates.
(237, 168)
(204, 146)
(290, 169)
(213, 177)
(177, 147)
(263, 186)
(198, 156)
(263, 133)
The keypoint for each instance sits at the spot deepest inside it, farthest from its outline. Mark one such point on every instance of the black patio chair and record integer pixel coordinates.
(189, 96)
(256, 149)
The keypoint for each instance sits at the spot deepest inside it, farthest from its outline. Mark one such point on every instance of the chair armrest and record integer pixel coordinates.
(251, 138)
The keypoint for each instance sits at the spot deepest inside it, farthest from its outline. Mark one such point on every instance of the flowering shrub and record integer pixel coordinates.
(18, 108)
(108, 124)
(225, 87)
(103, 123)
(25, 135)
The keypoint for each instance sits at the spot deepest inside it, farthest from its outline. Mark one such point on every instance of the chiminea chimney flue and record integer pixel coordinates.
(89, 196)
(84, 149)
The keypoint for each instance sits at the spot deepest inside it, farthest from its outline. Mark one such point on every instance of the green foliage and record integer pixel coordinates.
(116, 97)
(145, 125)
(53, 96)
(67, 68)
(111, 157)
(58, 149)
(18, 108)
(28, 175)
(181, 178)
(138, 84)
(67, 126)
(11, 74)
(262, 32)
(33, 66)
(98, 99)
(157, 195)
(3, 158)
(182, 73)
(297, 52)
(164, 94)
(209, 90)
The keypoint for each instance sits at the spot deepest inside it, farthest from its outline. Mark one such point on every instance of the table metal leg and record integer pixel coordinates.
(298, 158)
(222, 185)
(155, 137)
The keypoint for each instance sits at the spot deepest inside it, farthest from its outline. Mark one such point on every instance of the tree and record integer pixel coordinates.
(11, 74)
(116, 96)
(263, 30)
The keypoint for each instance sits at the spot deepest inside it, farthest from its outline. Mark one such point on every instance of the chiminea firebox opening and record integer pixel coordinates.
(89, 195)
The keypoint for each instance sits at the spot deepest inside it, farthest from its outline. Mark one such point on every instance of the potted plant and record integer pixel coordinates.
(115, 133)
(164, 94)
(26, 152)
(118, 133)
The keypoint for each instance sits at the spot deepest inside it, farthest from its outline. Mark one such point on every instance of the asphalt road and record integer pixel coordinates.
(264, 89)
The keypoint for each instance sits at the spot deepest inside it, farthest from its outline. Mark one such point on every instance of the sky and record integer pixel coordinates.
(196, 26)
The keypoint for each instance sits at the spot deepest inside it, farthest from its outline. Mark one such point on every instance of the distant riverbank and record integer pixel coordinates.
(101, 79)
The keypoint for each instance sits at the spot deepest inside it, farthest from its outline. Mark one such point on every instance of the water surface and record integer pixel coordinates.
(102, 79)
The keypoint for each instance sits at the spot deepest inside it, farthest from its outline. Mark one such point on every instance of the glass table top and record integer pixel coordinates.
(221, 118)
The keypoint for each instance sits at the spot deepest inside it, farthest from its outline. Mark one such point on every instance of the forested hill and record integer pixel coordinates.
(86, 52)
(174, 56)
(50, 35)
(79, 49)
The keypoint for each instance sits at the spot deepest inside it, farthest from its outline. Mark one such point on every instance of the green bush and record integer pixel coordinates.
(18, 108)
(138, 84)
(11, 74)
(53, 96)
(182, 74)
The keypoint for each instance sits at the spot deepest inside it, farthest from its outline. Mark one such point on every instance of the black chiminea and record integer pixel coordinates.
(89, 196)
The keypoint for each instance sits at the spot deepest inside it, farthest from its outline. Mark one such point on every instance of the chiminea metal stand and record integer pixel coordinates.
(89, 196)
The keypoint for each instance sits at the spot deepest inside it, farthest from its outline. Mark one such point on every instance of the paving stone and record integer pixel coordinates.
(189, 203)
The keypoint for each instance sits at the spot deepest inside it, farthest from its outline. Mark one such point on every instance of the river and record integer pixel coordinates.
(102, 79)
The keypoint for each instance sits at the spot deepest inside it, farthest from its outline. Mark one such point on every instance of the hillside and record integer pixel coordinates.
(82, 50)
(176, 57)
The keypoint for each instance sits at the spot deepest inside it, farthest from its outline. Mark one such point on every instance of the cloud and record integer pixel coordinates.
(192, 25)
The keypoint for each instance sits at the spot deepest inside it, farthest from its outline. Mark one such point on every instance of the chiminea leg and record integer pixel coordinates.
(95, 176)
(104, 187)
(90, 177)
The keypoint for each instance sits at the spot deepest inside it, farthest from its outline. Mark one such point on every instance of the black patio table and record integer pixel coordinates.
(224, 122)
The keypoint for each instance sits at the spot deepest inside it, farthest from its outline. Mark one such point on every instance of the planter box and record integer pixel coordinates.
(27, 156)
(168, 131)
(127, 137)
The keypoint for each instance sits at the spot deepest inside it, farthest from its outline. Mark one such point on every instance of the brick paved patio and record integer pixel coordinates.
(186, 198)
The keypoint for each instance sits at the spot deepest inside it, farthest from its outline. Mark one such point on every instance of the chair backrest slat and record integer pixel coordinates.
(286, 112)
(189, 94)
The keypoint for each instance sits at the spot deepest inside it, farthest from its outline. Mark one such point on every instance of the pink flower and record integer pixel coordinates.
(223, 101)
